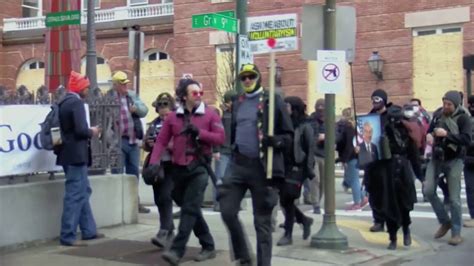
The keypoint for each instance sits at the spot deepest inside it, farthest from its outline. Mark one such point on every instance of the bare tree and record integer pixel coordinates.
(225, 73)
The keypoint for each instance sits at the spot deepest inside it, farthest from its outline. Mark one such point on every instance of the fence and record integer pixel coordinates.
(104, 112)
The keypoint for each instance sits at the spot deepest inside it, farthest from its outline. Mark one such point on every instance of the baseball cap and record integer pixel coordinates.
(120, 77)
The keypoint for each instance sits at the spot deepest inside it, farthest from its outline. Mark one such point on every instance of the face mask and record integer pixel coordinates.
(250, 88)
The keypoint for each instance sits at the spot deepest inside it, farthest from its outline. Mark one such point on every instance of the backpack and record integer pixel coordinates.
(50, 134)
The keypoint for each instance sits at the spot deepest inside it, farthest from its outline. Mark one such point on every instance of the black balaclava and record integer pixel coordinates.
(383, 95)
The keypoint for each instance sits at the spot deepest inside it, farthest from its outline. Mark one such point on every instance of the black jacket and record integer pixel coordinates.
(461, 140)
(283, 131)
(318, 128)
(391, 185)
(302, 154)
(345, 133)
(469, 160)
(75, 149)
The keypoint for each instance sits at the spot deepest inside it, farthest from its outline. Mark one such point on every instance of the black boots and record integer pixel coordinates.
(307, 227)
(393, 241)
(406, 236)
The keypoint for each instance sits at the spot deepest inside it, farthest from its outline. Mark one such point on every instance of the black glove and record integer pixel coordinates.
(272, 141)
(191, 130)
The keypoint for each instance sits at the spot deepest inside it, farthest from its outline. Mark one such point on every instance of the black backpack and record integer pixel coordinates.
(50, 134)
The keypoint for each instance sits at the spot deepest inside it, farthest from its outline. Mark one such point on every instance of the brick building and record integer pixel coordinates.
(422, 43)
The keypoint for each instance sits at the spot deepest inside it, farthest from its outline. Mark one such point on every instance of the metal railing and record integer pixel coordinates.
(105, 15)
(104, 111)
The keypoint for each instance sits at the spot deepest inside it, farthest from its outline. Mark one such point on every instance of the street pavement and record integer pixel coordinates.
(129, 244)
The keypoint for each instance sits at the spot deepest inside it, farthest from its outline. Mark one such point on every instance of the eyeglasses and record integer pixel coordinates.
(162, 104)
(197, 93)
(377, 99)
(250, 77)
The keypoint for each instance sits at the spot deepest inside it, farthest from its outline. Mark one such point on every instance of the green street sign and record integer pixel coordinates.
(216, 21)
(225, 23)
(202, 21)
(63, 18)
(227, 13)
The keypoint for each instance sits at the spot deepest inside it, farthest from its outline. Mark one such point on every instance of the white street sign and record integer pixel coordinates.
(245, 55)
(282, 28)
(331, 74)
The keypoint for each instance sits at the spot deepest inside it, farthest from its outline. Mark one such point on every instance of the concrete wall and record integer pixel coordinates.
(32, 211)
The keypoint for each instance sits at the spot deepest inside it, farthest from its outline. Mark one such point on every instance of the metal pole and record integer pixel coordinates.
(137, 60)
(329, 236)
(241, 14)
(91, 56)
(469, 82)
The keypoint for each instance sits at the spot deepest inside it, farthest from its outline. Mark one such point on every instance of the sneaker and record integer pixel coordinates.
(163, 238)
(171, 257)
(455, 240)
(143, 209)
(443, 230)
(317, 210)
(177, 215)
(285, 240)
(354, 207)
(364, 203)
(377, 228)
(205, 254)
(469, 223)
(97, 236)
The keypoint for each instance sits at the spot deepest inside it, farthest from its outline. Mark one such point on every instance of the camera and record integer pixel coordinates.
(438, 153)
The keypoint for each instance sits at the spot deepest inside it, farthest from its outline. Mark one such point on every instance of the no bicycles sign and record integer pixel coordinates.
(331, 73)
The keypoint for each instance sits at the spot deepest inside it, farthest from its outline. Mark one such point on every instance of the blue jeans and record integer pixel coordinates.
(452, 170)
(469, 181)
(221, 165)
(76, 207)
(351, 176)
(130, 158)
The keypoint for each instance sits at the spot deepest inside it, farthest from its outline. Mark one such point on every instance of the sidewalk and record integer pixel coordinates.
(129, 245)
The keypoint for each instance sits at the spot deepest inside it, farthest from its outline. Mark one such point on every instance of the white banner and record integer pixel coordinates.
(20, 146)
(282, 28)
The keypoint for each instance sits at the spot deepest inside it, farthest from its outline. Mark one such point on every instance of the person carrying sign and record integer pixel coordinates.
(246, 170)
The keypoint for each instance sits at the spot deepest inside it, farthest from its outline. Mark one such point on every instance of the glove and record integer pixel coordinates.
(191, 130)
(272, 141)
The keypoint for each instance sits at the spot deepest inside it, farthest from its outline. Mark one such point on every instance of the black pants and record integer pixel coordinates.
(290, 190)
(163, 200)
(392, 226)
(376, 214)
(243, 174)
(188, 193)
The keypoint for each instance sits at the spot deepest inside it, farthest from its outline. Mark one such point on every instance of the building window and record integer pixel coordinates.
(166, 1)
(33, 64)
(443, 29)
(31, 8)
(155, 56)
(137, 2)
(96, 4)
(100, 60)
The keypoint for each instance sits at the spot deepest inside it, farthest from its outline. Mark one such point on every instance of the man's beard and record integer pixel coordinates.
(378, 106)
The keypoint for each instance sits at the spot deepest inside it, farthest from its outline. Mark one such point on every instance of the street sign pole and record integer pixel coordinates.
(329, 236)
(241, 7)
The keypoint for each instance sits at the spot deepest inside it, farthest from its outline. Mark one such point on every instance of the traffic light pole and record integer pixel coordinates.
(329, 236)
(241, 14)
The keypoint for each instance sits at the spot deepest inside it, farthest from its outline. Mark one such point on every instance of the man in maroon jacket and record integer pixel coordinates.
(194, 129)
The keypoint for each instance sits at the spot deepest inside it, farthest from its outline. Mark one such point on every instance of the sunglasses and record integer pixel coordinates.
(197, 93)
(250, 77)
(162, 104)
